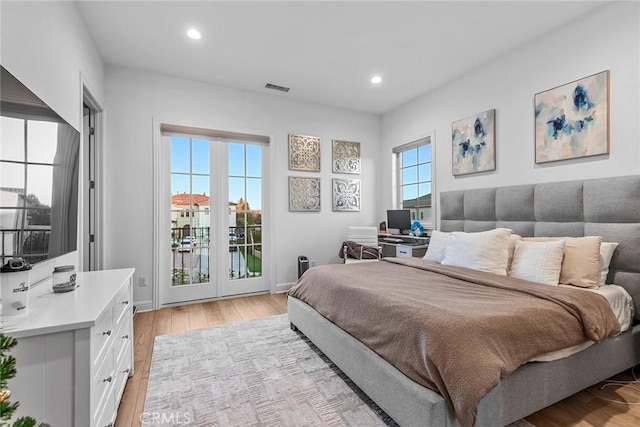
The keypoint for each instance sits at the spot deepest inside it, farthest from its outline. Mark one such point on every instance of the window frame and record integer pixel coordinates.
(397, 176)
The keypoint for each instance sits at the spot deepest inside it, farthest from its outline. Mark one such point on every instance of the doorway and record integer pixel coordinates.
(213, 242)
(90, 234)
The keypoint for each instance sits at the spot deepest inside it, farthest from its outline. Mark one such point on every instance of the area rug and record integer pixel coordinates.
(254, 373)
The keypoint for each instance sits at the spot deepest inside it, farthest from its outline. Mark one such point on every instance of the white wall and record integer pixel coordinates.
(47, 47)
(608, 38)
(134, 99)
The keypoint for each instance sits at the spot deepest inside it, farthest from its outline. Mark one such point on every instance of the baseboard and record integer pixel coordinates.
(143, 306)
(283, 287)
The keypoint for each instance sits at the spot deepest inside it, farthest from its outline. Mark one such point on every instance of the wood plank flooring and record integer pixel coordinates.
(581, 410)
(175, 320)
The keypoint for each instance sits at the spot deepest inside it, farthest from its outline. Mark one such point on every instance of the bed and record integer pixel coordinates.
(608, 207)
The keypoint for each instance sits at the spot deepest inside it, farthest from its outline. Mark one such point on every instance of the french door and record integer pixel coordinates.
(213, 210)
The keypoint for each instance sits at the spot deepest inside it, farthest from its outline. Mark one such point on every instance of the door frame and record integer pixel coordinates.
(159, 199)
(88, 97)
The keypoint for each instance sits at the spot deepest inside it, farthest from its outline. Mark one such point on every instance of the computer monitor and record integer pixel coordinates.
(399, 219)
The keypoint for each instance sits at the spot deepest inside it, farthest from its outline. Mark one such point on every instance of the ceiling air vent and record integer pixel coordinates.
(276, 87)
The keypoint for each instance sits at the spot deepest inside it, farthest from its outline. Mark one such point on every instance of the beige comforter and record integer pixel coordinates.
(454, 330)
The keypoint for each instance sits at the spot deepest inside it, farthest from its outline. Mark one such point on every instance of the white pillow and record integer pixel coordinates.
(485, 251)
(437, 243)
(538, 262)
(512, 247)
(606, 253)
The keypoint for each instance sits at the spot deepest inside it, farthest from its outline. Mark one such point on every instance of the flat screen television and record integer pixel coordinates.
(399, 219)
(39, 161)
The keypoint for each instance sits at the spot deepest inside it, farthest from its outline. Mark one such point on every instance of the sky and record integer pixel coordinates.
(244, 164)
(416, 168)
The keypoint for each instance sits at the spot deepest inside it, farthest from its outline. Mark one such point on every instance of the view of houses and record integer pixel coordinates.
(192, 237)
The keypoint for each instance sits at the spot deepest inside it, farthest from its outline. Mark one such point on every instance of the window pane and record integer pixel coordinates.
(410, 175)
(425, 215)
(236, 189)
(254, 194)
(424, 153)
(180, 154)
(39, 218)
(409, 157)
(12, 183)
(180, 184)
(12, 137)
(200, 156)
(254, 160)
(200, 190)
(409, 195)
(236, 159)
(424, 191)
(424, 172)
(42, 141)
(39, 185)
(10, 219)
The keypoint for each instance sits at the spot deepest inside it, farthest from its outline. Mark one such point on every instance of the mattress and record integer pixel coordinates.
(621, 304)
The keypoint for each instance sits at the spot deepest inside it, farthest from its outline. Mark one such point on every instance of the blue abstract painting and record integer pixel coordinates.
(573, 120)
(474, 143)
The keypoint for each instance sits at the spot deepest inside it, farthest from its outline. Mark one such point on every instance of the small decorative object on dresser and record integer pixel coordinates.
(473, 141)
(304, 153)
(572, 120)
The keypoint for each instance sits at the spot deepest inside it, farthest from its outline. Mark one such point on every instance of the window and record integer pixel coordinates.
(414, 179)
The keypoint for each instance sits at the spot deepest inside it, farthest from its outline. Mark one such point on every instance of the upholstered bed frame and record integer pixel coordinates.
(608, 207)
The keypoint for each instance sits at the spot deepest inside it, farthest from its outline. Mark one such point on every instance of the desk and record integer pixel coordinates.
(403, 245)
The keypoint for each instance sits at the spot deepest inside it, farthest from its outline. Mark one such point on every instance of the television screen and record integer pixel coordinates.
(399, 219)
(39, 161)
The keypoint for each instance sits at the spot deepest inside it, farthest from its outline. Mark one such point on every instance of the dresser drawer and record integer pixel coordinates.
(404, 251)
(122, 340)
(122, 304)
(101, 335)
(102, 387)
(122, 374)
(107, 417)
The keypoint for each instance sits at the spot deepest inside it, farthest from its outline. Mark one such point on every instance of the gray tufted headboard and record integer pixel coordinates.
(607, 207)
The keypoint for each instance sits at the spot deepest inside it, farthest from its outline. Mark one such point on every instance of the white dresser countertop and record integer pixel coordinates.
(72, 310)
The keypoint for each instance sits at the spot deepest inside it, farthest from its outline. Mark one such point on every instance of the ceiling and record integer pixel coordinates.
(326, 52)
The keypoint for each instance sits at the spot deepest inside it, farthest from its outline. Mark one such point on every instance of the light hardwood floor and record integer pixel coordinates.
(582, 409)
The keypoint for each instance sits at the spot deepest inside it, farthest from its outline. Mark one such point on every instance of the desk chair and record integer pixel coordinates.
(365, 236)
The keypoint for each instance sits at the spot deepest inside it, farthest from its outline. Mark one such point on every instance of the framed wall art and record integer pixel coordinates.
(572, 120)
(473, 142)
(304, 153)
(346, 195)
(345, 156)
(304, 194)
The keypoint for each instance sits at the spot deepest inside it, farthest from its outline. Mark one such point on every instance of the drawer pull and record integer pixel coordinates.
(125, 337)
(125, 302)
(126, 371)
(107, 380)
(109, 425)
(108, 333)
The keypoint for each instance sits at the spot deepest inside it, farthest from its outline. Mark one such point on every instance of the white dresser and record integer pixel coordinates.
(75, 350)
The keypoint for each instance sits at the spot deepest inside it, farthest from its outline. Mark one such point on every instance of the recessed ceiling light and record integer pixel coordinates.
(376, 79)
(194, 34)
